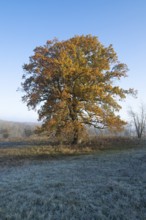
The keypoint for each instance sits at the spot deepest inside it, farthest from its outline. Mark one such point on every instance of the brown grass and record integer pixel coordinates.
(20, 152)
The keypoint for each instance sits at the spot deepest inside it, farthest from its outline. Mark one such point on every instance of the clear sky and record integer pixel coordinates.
(25, 24)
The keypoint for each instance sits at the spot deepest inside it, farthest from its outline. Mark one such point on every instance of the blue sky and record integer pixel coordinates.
(30, 23)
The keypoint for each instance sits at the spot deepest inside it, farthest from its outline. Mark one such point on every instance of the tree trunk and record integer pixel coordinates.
(139, 135)
(75, 136)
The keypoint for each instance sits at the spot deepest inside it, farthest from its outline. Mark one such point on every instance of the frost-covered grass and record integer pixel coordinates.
(105, 185)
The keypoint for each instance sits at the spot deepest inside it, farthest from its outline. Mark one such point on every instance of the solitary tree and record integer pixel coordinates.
(4, 132)
(139, 120)
(72, 83)
(28, 132)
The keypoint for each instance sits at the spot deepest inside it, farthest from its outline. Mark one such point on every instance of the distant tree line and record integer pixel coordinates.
(14, 129)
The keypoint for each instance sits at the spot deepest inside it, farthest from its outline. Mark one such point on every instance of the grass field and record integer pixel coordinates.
(98, 185)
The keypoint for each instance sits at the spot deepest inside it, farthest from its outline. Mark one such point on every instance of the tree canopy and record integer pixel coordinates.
(72, 83)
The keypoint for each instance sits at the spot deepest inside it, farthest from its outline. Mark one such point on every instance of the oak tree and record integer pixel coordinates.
(72, 83)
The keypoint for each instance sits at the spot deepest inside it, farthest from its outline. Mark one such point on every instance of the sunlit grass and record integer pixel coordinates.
(43, 150)
(29, 149)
